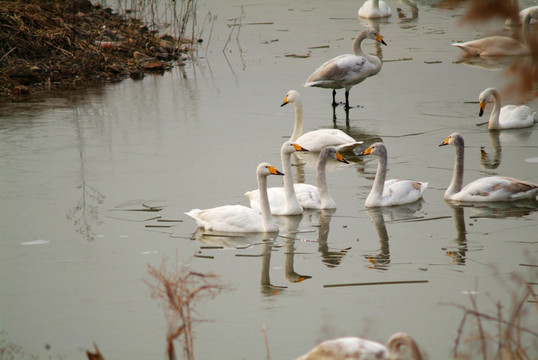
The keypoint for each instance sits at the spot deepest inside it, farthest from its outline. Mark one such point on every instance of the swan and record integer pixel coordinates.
(347, 70)
(507, 117)
(308, 196)
(522, 15)
(400, 346)
(491, 188)
(316, 140)
(239, 218)
(394, 191)
(373, 9)
(502, 45)
(282, 200)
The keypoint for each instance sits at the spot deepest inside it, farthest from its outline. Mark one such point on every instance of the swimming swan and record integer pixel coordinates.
(508, 116)
(491, 188)
(400, 346)
(347, 70)
(316, 140)
(502, 45)
(239, 218)
(394, 191)
(373, 9)
(318, 197)
(282, 200)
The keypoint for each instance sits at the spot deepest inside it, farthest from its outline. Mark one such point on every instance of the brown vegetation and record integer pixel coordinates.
(68, 44)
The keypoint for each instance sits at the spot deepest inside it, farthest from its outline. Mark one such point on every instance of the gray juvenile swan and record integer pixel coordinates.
(239, 218)
(394, 191)
(347, 70)
(491, 188)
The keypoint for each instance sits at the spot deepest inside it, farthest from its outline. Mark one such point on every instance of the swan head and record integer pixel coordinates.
(266, 169)
(454, 139)
(483, 98)
(376, 149)
(402, 344)
(289, 148)
(372, 33)
(331, 152)
(291, 96)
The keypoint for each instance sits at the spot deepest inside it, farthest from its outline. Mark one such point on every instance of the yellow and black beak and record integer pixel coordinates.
(366, 152)
(274, 171)
(380, 39)
(340, 158)
(482, 107)
(285, 101)
(299, 147)
(445, 142)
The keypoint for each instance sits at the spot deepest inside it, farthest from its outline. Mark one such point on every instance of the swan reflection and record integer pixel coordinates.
(381, 261)
(290, 231)
(496, 137)
(459, 254)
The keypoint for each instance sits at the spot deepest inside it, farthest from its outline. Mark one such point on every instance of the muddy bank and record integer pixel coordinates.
(59, 45)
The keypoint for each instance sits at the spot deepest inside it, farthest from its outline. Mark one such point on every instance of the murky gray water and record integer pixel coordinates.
(74, 259)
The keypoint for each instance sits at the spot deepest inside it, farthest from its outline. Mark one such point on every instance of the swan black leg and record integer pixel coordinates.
(334, 98)
(347, 99)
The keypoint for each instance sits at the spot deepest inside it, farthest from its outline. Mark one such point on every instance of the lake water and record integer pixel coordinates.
(76, 165)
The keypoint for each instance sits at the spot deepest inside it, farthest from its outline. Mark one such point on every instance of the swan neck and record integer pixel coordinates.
(321, 179)
(357, 50)
(298, 127)
(496, 112)
(380, 176)
(375, 4)
(457, 177)
(289, 189)
(264, 202)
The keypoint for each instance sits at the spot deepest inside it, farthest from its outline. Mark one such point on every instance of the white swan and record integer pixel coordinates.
(347, 70)
(308, 196)
(394, 191)
(508, 116)
(239, 218)
(316, 140)
(491, 188)
(318, 197)
(282, 200)
(373, 9)
(502, 45)
(522, 15)
(400, 346)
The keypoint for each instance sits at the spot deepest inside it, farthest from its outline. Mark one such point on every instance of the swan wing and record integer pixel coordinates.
(497, 188)
(513, 116)
(277, 200)
(493, 46)
(308, 196)
(228, 218)
(347, 348)
(316, 140)
(369, 11)
(399, 192)
(341, 71)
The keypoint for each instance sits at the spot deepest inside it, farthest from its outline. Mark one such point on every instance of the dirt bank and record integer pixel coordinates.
(58, 45)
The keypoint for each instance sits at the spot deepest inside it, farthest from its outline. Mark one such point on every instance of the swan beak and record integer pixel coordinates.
(482, 107)
(340, 158)
(445, 142)
(366, 152)
(274, 171)
(285, 101)
(299, 147)
(380, 39)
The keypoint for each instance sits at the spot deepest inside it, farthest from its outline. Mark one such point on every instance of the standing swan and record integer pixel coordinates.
(239, 218)
(394, 191)
(373, 9)
(347, 70)
(400, 346)
(491, 188)
(316, 140)
(318, 197)
(507, 117)
(282, 200)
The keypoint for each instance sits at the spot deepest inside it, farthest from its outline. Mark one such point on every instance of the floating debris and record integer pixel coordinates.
(35, 242)
(378, 283)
